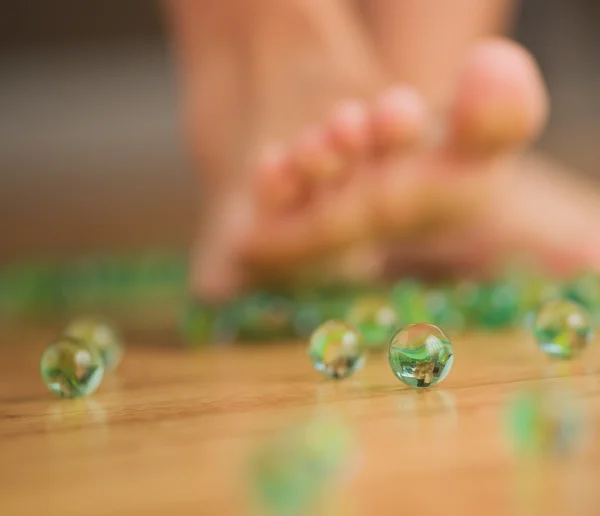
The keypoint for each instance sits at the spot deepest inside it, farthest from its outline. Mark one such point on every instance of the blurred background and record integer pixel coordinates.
(91, 154)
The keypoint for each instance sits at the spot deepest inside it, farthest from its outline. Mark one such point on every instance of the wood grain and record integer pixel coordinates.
(171, 432)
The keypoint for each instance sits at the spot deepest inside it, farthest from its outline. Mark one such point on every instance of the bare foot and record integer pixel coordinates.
(388, 179)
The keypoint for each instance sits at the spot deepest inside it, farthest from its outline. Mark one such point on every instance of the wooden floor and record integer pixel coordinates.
(170, 433)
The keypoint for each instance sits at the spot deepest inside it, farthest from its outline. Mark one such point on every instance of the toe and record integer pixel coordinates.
(315, 158)
(278, 185)
(398, 119)
(501, 100)
(332, 220)
(349, 128)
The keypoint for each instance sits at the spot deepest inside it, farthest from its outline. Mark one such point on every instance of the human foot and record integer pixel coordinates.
(370, 174)
(447, 198)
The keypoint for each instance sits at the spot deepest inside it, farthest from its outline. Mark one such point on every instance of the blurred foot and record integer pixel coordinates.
(386, 177)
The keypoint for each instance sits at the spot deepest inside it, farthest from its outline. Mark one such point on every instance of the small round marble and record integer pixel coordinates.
(337, 349)
(562, 328)
(101, 333)
(376, 319)
(261, 316)
(488, 305)
(535, 289)
(71, 367)
(420, 355)
(197, 323)
(544, 422)
(294, 470)
(419, 302)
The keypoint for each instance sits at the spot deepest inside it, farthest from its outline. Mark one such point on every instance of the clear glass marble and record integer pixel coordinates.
(101, 333)
(419, 302)
(420, 355)
(337, 349)
(294, 470)
(71, 368)
(376, 319)
(544, 422)
(562, 328)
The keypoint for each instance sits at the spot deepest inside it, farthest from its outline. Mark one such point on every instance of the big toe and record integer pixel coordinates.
(501, 102)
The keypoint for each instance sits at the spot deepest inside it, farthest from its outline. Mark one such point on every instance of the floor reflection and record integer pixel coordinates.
(76, 414)
(429, 411)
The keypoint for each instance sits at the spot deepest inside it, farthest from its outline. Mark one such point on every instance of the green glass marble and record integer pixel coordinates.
(71, 368)
(101, 333)
(420, 355)
(562, 329)
(197, 323)
(443, 308)
(259, 316)
(584, 289)
(408, 298)
(306, 318)
(544, 422)
(31, 290)
(534, 289)
(337, 349)
(376, 319)
(419, 302)
(293, 471)
(488, 305)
